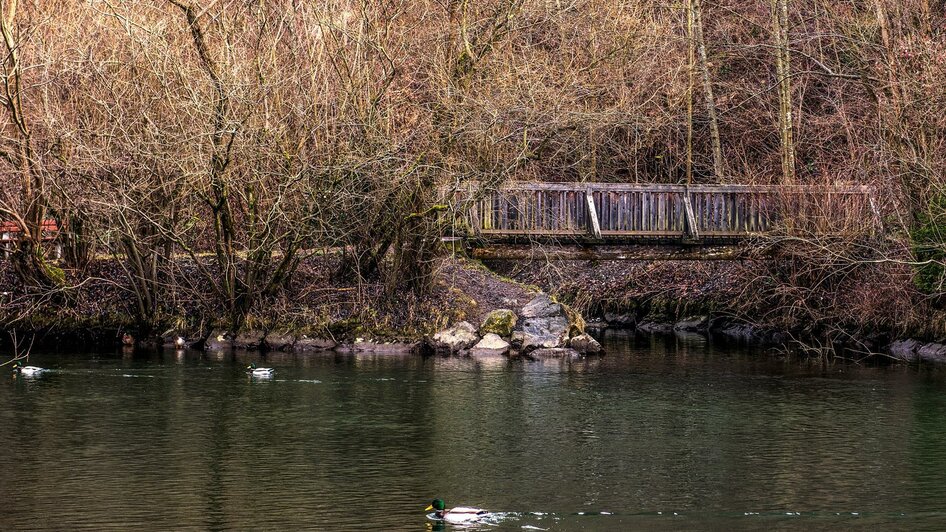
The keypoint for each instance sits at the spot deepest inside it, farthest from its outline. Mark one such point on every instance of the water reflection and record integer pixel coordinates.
(661, 433)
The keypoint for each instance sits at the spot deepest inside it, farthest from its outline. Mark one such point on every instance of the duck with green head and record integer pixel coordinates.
(460, 514)
(20, 369)
(254, 371)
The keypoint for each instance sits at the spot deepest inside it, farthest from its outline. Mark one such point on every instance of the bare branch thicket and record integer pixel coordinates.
(24, 198)
(211, 147)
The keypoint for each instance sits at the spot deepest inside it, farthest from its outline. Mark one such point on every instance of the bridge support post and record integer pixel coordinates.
(691, 231)
(593, 224)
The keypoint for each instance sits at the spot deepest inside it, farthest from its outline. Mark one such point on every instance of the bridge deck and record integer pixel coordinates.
(640, 212)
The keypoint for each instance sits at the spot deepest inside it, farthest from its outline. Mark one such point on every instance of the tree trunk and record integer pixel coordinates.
(719, 169)
(893, 75)
(783, 74)
(29, 210)
(691, 67)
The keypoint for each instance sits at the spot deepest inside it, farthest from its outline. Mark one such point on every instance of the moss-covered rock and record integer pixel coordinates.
(576, 323)
(500, 322)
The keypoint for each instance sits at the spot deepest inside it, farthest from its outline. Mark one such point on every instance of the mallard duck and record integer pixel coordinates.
(254, 371)
(180, 342)
(20, 369)
(460, 514)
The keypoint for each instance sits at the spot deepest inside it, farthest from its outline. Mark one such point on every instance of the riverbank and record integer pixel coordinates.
(98, 308)
(869, 310)
(469, 309)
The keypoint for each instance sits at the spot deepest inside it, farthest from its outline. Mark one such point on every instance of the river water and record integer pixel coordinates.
(662, 433)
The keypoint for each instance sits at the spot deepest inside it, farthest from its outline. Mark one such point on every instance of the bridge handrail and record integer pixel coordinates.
(648, 210)
(662, 187)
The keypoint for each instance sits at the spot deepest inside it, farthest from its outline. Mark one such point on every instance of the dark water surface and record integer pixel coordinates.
(659, 434)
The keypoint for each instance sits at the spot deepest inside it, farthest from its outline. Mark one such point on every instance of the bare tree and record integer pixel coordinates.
(27, 206)
(783, 72)
(719, 166)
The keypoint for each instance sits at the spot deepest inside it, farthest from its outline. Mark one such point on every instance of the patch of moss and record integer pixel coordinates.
(500, 322)
(345, 327)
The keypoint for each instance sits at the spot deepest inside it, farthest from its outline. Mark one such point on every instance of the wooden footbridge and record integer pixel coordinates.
(586, 215)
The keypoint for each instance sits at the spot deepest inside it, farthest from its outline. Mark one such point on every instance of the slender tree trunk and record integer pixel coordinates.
(719, 169)
(691, 68)
(927, 17)
(783, 73)
(893, 76)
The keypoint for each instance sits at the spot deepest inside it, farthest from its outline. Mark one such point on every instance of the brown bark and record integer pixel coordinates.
(783, 74)
(29, 210)
(893, 76)
(691, 67)
(719, 168)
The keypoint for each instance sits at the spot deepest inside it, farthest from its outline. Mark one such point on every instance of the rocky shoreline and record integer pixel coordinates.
(475, 311)
(713, 327)
(716, 328)
(747, 302)
(913, 350)
(542, 328)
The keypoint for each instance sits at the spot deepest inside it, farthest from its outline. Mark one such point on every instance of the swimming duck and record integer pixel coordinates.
(20, 369)
(460, 514)
(254, 371)
(180, 342)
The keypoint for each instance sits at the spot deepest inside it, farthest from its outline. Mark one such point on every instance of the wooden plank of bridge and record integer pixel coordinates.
(693, 231)
(645, 212)
(592, 214)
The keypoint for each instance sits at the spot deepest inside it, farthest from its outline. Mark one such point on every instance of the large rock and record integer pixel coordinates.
(620, 321)
(585, 344)
(541, 306)
(491, 344)
(538, 333)
(750, 334)
(457, 338)
(500, 322)
(305, 343)
(692, 324)
(248, 339)
(932, 353)
(736, 331)
(276, 341)
(905, 349)
(654, 327)
(219, 340)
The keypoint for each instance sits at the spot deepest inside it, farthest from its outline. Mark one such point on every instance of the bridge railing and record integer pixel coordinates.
(642, 211)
